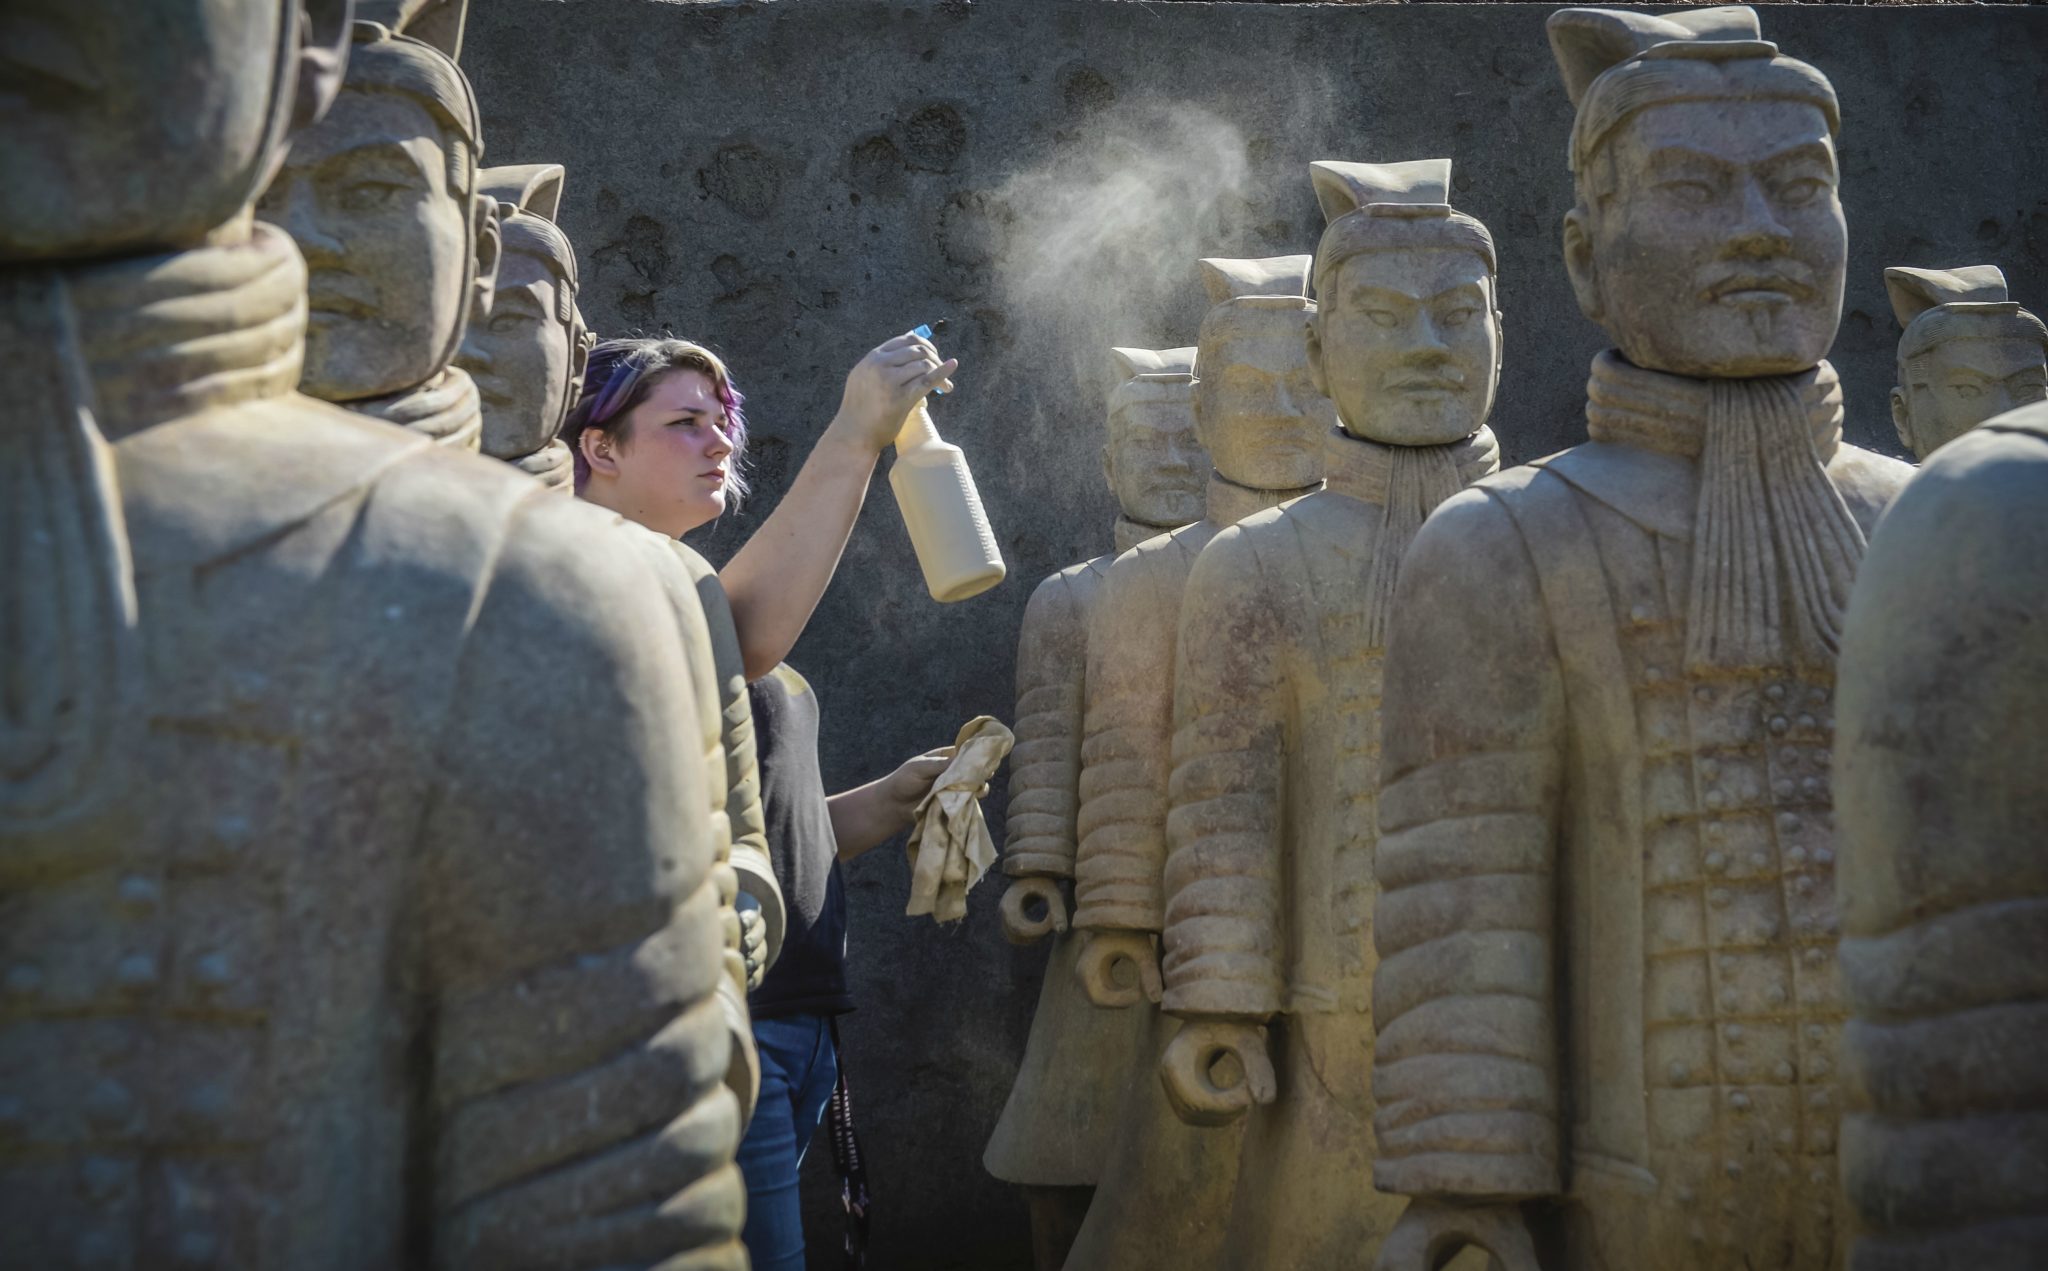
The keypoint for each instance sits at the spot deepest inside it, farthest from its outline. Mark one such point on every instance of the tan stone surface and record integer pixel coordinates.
(401, 244)
(1063, 1110)
(527, 350)
(1966, 352)
(1268, 944)
(1606, 915)
(724, 730)
(1261, 420)
(1944, 871)
(294, 975)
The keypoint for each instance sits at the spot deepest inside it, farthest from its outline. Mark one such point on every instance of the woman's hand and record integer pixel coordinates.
(903, 789)
(885, 386)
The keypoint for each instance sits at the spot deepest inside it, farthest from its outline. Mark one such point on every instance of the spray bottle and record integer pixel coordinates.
(942, 510)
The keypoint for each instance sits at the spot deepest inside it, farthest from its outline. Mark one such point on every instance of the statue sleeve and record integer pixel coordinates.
(1472, 734)
(1045, 767)
(1124, 748)
(1943, 876)
(571, 928)
(750, 859)
(1224, 932)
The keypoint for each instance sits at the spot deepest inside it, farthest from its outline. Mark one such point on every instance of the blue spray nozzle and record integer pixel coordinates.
(924, 330)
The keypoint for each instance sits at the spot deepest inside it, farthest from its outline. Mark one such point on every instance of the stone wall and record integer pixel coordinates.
(794, 182)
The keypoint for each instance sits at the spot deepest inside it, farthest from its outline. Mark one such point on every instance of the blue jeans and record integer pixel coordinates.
(798, 1071)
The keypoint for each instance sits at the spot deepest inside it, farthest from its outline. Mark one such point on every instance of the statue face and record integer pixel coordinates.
(97, 161)
(1155, 463)
(389, 245)
(1711, 241)
(1408, 345)
(1257, 409)
(1959, 384)
(521, 356)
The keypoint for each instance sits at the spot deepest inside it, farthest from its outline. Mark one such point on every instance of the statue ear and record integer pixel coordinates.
(489, 250)
(1579, 263)
(1902, 420)
(323, 57)
(1311, 332)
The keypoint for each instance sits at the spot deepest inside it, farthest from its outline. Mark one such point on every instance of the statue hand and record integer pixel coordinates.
(1118, 968)
(753, 940)
(1431, 1232)
(1213, 1070)
(1019, 927)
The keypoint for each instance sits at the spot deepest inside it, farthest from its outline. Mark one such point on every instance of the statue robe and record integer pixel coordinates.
(1062, 1114)
(1269, 886)
(1165, 1188)
(1944, 871)
(1606, 917)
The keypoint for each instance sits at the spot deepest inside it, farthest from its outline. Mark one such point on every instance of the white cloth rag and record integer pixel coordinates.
(950, 848)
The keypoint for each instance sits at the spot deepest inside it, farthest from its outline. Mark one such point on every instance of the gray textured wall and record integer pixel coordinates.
(796, 181)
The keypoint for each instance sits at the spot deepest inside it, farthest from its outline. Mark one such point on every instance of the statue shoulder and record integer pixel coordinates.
(1242, 556)
(1472, 540)
(693, 561)
(1656, 491)
(1868, 481)
(1065, 596)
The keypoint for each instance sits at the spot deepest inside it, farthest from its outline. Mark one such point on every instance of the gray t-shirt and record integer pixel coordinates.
(810, 976)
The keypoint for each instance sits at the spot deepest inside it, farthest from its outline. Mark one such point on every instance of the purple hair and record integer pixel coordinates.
(621, 374)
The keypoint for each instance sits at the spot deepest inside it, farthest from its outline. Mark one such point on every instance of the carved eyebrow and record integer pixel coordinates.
(527, 298)
(1810, 151)
(1462, 289)
(390, 152)
(1666, 156)
(1380, 291)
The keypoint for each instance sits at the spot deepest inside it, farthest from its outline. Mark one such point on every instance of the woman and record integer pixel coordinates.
(658, 438)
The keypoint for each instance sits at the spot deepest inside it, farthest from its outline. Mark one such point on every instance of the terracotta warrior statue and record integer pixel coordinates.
(1269, 887)
(1063, 1110)
(1968, 352)
(527, 351)
(1606, 923)
(401, 243)
(1165, 1188)
(293, 974)
(1944, 873)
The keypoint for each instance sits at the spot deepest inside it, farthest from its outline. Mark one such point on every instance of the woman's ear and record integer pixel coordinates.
(599, 452)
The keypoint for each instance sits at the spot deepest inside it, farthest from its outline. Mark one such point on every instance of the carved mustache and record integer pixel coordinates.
(1447, 380)
(339, 292)
(1788, 276)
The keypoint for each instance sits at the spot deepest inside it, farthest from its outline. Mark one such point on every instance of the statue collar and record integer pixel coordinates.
(445, 408)
(1130, 533)
(1361, 468)
(170, 335)
(1774, 544)
(1229, 502)
(1404, 484)
(1668, 414)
